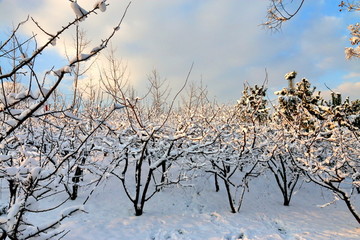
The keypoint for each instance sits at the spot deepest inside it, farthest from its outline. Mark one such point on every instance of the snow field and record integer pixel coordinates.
(199, 212)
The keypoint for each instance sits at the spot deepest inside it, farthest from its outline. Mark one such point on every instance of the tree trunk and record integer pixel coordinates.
(12, 188)
(138, 209)
(227, 187)
(217, 187)
(349, 205)
(74, 193)
(163, 174)
(286, 201)
(76, 179)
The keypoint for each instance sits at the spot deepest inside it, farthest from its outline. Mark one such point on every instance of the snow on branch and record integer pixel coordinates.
(80, 13)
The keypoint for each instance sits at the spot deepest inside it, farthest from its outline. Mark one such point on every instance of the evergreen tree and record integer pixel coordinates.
(252, 105)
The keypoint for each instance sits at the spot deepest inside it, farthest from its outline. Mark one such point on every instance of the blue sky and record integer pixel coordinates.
(222, 38)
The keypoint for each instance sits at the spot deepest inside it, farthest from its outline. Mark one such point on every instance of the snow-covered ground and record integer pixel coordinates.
(198, 212)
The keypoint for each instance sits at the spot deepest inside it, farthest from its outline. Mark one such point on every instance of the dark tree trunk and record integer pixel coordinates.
(228, 191)
(286, 178)
(138, 210)
(217, 187)
(12, 188)
(286, 201)
(349, 205)
(163, 169)
(74, 193)
(76, 180)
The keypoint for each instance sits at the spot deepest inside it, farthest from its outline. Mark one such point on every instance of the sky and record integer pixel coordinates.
(224, 40)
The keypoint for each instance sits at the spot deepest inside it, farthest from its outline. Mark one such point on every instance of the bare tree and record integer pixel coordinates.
(80, 44)
(159, 93)
(279, 12)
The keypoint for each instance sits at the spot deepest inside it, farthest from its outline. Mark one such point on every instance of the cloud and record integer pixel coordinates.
(349, 89)
(222, 38)
(346, 89)
(352, 75)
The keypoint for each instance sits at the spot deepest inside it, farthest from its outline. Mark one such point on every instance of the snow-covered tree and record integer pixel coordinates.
(347, 114)
(299, 104)
(318, 140)
(331, 162)
(144, 147)
(279, 160)
(227, 143)
(39, 147)
(254, 104)
(354, 51)
(299, 111)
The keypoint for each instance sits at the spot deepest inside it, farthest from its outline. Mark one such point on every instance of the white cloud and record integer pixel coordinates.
(223, 38)
(346, 89)
(349, 89)
(352, 75)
